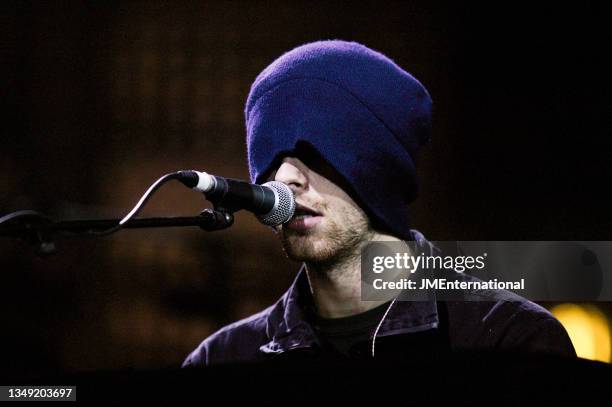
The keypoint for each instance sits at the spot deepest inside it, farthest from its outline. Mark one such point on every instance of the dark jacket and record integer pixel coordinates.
(409, 330)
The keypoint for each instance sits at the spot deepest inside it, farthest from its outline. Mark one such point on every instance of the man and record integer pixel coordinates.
(341, 124)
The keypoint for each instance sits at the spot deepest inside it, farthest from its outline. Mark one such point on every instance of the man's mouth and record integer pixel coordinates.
(304, 218)
(302, 211)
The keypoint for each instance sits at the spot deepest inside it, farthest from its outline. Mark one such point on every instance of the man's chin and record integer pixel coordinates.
(304, 247)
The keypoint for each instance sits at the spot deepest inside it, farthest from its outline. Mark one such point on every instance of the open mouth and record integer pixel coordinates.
(303, 212)
(304, 219)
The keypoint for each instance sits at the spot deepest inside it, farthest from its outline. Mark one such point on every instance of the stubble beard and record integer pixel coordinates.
(336, 242)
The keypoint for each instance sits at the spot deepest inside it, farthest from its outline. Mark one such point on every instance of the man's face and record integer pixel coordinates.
(328, 224)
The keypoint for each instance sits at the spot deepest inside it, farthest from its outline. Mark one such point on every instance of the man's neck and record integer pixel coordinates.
(336, 285)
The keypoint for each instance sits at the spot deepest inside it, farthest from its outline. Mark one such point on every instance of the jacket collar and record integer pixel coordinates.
(286, 325)
(288, 328)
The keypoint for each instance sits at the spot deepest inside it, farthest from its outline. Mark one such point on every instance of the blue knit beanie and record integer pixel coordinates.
(361, 112)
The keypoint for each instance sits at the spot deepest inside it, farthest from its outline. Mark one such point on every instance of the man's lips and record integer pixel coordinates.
(304, 218)
(305, 209)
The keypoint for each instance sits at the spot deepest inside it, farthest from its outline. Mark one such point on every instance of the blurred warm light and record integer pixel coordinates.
(588, 329)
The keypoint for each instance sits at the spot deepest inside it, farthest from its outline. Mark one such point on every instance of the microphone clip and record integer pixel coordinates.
(216, 219)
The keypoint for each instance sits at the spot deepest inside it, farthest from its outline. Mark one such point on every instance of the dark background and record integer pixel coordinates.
(99, 99)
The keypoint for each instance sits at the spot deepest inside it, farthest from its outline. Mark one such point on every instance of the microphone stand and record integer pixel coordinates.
(40, 230)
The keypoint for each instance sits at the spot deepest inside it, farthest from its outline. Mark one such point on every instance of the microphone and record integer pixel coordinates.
(273, 202)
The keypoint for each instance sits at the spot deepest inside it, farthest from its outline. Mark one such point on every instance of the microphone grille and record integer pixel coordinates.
(283, 209)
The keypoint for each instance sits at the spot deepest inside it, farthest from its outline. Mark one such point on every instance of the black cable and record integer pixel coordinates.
(24, 214)
(180, 175)
(188, 178)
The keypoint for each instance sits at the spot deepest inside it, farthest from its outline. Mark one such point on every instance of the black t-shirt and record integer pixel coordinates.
(342, 333)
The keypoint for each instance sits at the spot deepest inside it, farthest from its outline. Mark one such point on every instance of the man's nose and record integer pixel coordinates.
(290, 174)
